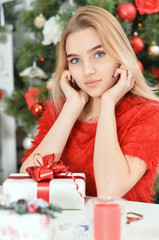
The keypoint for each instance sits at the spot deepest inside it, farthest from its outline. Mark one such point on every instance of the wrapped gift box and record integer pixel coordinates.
(62, 191)
(25, 227)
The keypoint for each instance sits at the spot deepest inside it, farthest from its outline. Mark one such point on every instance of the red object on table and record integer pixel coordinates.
(107, 221)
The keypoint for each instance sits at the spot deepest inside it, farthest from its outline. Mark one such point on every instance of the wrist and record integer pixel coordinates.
(107, 103)
(73, 108)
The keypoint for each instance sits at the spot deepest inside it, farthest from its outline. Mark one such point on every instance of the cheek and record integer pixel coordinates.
(76, 73)
(109, 83)
(114, 80)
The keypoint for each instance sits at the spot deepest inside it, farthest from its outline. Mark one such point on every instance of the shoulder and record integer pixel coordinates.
(137, 107)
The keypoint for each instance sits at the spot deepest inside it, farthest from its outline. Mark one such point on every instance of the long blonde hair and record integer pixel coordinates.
(113, 40)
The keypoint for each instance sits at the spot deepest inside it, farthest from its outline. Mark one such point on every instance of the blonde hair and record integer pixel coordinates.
(113, 40)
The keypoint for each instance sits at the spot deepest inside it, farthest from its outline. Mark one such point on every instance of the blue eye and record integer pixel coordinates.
(74, 60)
(99, 54)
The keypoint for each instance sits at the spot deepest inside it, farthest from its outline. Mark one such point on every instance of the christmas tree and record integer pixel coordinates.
(36, 58)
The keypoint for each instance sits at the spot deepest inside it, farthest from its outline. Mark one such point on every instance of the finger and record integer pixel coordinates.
(65, 77)
(120, 71)
(130, 76)
(131, 80)
(123, 67)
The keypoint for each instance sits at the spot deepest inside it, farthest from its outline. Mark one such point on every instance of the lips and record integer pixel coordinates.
(92, 83)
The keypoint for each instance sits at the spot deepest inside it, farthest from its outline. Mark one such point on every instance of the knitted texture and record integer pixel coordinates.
(138, 135)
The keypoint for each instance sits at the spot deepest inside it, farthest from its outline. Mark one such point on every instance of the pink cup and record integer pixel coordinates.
(107, 221)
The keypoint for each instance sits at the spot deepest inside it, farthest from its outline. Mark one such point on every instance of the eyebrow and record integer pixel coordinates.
(90, 50)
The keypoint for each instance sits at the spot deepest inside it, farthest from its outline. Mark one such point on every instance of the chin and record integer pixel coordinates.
(97, 94)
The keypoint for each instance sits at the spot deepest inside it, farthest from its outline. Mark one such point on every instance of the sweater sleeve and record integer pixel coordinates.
(43, 126)
(142, 138)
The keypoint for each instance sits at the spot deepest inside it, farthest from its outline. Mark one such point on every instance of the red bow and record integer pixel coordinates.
(46, 170)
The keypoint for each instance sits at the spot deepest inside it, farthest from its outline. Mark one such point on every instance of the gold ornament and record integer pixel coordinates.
(153, 50)
(153, 43)
(154, 30)
(33, 72)
(39, 21)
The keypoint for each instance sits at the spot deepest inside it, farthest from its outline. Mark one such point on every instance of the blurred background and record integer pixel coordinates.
(29, 33)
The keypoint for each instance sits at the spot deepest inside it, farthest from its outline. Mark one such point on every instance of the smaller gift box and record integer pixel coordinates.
(27, 219)
(66, 191)
(29, 226)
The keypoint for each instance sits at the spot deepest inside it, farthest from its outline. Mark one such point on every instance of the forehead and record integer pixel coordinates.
(82, 40)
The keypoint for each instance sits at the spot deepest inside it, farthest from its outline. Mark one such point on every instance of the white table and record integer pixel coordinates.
(72, 224)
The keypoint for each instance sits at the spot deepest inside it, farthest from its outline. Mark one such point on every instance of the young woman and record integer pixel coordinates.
(103, 119)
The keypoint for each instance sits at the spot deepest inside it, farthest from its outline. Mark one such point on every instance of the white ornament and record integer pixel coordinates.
(52, 31)
(33, 72)
(39, 21)
(27, 142)
(154, 50)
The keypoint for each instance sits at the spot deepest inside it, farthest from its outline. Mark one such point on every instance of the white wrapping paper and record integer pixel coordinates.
(25, 227)
(62, 190)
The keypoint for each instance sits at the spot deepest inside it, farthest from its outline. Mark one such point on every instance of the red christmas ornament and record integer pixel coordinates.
(137, 44)
(36, 109)
(126, 11)
(147, 6)
(32, 207)
(155, 71)
(140, 65)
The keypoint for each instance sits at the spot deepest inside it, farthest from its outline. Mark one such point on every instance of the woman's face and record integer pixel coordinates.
(89, 64)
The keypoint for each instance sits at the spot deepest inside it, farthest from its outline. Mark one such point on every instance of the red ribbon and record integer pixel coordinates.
(60, 177)
(46, 170)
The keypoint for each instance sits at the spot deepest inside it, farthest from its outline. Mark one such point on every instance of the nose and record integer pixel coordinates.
(88, 68)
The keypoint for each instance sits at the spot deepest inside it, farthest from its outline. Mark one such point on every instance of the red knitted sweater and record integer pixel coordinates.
(138, 135)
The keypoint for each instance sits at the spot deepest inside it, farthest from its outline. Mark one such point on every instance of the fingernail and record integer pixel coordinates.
(74, 83)
(113, 75)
